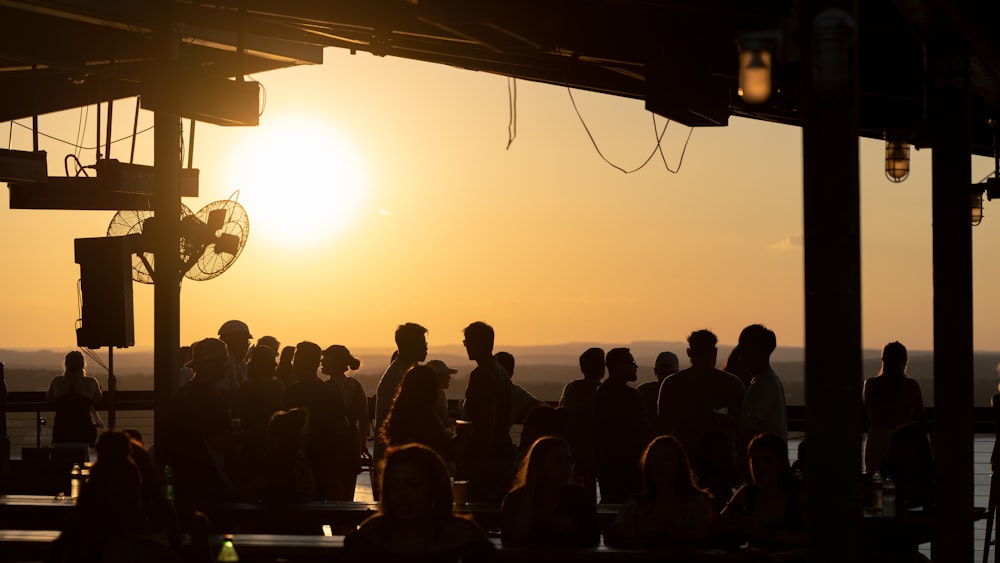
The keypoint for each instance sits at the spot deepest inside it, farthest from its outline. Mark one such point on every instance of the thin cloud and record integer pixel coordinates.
(790, 242)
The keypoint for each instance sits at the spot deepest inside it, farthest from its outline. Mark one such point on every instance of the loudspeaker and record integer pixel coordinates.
(106, 285)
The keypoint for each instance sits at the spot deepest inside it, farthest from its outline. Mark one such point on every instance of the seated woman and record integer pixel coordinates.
(121, 514)
(544, 508)
(671, 508)
(283, 474)
(911, 466)
(415, 521)
(771, 509)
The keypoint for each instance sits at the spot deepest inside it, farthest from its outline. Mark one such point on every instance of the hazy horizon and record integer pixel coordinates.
(365, 213)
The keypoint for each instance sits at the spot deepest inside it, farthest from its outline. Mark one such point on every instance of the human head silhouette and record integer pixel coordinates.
(478, 341)
(338, 359)
(894, 358)
(416, 485)
(506, 359)
(306, 360)
(702, 348)
(411, 342)
(621, 365)
(756, 344)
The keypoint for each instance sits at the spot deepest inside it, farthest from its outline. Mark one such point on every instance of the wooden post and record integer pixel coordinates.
(832, 239)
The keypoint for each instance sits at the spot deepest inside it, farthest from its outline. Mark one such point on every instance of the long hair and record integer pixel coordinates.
(416, 396)
(76, 366)
(528, 471)
(777, 446)
(684, 483)
(428, 466)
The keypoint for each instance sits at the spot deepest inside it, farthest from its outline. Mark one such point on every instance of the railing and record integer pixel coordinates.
(135, 404)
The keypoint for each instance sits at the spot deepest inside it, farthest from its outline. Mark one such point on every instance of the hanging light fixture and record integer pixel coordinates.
(755, 68)
(977, 206)
(897, 157)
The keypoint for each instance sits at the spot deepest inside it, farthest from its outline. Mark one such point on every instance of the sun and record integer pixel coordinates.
(301, 183)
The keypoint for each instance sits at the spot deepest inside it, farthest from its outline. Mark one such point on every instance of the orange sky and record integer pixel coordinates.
(381, 191)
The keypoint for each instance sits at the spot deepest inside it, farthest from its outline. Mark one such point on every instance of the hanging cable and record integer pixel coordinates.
(135, 125)
(81, 129)
(191, 144)
(656, 148)
(511, 110)
(111, 111)
(83, 147)
(659, 146)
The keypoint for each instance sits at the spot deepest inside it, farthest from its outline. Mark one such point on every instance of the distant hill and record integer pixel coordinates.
(542, 370)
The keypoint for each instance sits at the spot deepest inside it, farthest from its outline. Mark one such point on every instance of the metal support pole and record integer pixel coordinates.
(112, 388)
(948, 117)
(832, 239)
(167, 278)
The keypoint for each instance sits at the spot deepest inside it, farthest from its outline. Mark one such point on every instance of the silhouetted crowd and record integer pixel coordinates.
(697, 457)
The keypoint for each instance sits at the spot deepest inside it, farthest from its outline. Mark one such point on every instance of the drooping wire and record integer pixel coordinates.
(656, 148)
(512, 110)
(81, 126)
(659, 147)
(81, 147)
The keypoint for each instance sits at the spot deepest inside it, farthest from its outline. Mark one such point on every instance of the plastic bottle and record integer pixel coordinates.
(877, 493)
(75, 476)
(889, 497)
(168, 483)
(228, 551)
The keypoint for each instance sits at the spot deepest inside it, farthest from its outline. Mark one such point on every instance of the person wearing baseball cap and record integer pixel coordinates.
(201, 429)
(444, 374)
(236, 335)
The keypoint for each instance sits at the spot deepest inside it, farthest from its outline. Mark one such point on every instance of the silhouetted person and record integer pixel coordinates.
(671, 509)
(521, 401)
(327, 435)
(411, 347)
(201, 443)
(119, 517)
(544, 508)
(764, 408)
(412, 417)
(543, 420)
(256, 400)
(489, 452)
(703, 407)
(770, 510)
(666, 364)
(622, 429)
(284, 475)
(284, 373)
(261, 396)
(184, 373)
(415, 521)
(271, 342)
(444, 374)
(910, 463)
(236, 335)
(734, 366)
(579, 399)
(336, 361)
(892, 399)
(76, 398)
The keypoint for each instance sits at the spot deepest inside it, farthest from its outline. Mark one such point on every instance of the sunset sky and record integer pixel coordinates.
(382, 191)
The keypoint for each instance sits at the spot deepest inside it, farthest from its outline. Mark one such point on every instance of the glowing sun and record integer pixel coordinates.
(301, 183)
